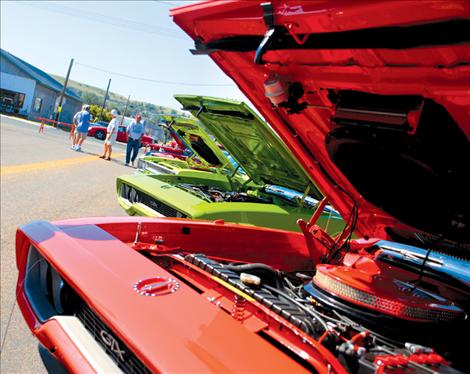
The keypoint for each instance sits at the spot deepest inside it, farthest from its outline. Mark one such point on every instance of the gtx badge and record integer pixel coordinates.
(112, 344)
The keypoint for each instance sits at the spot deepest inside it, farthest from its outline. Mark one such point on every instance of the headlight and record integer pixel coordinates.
(43, 286)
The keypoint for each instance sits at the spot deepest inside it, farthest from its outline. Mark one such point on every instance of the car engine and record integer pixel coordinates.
(215, 195)
(372, 316)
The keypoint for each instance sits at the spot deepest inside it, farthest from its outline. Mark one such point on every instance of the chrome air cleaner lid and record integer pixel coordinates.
(377, 289)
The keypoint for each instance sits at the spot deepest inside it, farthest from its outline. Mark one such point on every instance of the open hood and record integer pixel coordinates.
(252, 143)
(193, 136)
(371, 97)
(179, 143)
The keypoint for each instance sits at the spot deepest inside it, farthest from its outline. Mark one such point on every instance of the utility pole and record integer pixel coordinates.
(125, 110)
(61, 97)
(105, 98)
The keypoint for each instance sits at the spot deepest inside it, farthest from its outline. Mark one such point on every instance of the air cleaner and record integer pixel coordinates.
(380, 292)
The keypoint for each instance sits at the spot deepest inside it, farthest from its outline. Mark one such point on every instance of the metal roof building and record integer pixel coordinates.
(28, 91)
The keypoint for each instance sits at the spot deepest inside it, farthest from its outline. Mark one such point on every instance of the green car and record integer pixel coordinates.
(206, 154)
(273, 190)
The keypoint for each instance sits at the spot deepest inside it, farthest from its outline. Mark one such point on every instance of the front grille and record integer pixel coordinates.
(114, 347)
(136, 196)
(153, 167)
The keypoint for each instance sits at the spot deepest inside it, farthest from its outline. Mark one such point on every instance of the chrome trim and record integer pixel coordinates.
(449, 265)
(86, 344)
(152, 167)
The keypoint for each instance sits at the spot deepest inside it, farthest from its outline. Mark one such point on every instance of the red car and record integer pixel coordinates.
(373, 99)
(99, 132)
(174, 149)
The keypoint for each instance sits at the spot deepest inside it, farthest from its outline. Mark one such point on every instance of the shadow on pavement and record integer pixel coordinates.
(115, 160)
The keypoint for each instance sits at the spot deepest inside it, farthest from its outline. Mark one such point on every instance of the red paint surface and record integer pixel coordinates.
(439, 73)
(163, 330)
(54, 338)
(184, 331)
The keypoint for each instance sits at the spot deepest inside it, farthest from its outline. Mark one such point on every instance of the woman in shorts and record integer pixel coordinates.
(111, 135)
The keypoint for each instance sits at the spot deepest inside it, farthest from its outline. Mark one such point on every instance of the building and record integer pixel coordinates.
(30, 92)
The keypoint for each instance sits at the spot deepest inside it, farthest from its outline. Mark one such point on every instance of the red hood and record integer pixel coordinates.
(177, 334)
(374, 100)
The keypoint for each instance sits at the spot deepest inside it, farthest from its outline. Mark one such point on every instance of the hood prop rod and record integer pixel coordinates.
(231, 176)
(304, 196)
(311, 231)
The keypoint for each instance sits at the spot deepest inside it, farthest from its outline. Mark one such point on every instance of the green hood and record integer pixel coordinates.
(205, 149)
(253, 144)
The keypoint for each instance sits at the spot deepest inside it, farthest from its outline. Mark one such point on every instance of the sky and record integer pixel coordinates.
(113, 39)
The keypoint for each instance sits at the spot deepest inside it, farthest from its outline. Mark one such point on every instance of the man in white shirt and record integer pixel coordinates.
(135, 131)
(111, 135)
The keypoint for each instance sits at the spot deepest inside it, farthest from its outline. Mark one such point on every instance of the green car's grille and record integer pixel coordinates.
(136, 196)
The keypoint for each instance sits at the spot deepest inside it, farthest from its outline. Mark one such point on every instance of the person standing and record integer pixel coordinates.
(82, 120)
(41, 128)
(72, 131)
(135, 131)
(111, 135)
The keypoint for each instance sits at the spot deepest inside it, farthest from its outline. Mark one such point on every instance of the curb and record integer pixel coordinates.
(21, 120)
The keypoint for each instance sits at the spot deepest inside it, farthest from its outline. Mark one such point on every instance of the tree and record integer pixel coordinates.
(91, 98)
(95, 111)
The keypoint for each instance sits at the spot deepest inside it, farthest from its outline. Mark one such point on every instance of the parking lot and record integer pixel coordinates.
(43, 179)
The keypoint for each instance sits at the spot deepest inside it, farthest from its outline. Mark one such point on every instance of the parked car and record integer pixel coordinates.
(373, 102)
(200, 152)
(176, 146)
(213, 189)
(101, 123)
(99, 132)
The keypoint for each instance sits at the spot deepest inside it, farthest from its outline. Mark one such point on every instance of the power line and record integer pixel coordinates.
(154, 80)
(84, 14)
(166, 3)
(178, 3)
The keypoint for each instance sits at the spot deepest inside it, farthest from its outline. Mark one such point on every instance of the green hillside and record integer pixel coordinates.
(95, 95)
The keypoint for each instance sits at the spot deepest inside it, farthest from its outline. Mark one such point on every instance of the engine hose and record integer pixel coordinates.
(312, 313)
(261, 270)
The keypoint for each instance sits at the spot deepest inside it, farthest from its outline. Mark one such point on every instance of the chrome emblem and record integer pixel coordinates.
(157, 286)
(112, 344)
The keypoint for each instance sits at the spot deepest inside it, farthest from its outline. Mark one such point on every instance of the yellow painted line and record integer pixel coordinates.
(54, 164)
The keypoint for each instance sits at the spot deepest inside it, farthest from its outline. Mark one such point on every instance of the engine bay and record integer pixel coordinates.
(376, 307)
(263, 195)
(217, 195)
(405, 335)
(379, 307)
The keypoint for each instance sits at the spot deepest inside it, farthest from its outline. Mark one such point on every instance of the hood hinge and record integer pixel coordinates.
(270, 35)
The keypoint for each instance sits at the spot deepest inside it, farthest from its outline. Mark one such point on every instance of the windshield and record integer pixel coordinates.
(296, 196)
(234, 163)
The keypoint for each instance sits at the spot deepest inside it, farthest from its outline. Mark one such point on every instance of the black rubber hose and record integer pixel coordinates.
(262, 270)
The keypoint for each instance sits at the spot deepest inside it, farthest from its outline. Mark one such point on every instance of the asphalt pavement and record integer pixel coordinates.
(42, 178)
